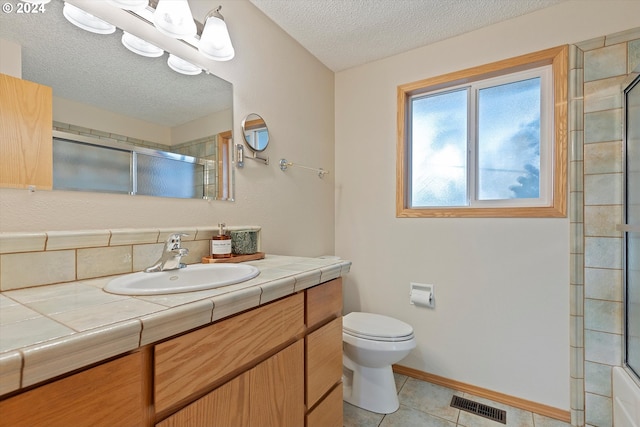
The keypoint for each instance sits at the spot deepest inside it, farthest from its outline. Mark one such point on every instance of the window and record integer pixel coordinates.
(485, 142)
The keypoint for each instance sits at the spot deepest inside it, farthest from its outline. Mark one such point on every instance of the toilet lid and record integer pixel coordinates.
(376, 327)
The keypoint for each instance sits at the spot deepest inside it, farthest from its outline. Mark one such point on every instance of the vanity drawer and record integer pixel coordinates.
(191, 363)
(323, 360)
(329, 412)
(324, 302)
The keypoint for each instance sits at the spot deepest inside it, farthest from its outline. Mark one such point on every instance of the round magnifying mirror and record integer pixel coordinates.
(255, 131)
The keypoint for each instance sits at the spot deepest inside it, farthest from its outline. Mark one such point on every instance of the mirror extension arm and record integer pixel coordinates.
(241, 156)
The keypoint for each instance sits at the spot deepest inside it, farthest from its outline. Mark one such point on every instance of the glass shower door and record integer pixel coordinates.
(631, 228)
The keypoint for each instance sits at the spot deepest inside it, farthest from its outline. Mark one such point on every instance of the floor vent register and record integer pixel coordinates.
(483, 410)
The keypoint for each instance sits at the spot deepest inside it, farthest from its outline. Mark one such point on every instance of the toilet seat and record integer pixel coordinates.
(376, 327)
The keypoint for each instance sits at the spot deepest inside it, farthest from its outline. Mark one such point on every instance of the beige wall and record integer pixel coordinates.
(502, 285)
(272, 75)
(87, 116)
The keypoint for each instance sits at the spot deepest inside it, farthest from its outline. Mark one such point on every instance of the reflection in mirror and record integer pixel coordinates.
(87, 164)
(255, 131)
(104, 92)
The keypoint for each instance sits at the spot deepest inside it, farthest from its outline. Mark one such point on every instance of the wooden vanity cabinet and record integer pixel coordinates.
(323, 355)
(301, 382)
(278, 365)
(26, 134)
(111, 394)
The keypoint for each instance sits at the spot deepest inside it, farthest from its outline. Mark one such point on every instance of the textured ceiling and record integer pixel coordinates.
(97, 69)
(347, 33)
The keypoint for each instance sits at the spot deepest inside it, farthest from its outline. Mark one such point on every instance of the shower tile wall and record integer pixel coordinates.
(606, 62)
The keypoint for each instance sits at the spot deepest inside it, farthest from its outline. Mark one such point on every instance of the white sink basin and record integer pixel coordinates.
(196, 277)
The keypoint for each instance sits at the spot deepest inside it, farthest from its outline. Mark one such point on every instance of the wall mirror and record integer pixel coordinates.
(106, 95)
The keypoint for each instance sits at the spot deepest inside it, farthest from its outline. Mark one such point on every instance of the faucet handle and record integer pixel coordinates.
(174, 241)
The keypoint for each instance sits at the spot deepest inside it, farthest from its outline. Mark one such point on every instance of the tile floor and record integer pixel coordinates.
(423, 404)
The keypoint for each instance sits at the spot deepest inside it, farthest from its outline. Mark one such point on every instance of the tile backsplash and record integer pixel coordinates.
(44, 258)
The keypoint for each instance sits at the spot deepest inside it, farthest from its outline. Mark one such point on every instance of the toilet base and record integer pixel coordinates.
(372, 389)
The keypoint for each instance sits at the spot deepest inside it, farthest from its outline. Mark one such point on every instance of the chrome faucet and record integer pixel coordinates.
(171, 255)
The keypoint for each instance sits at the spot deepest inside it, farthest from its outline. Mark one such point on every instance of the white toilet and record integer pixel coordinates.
(371, 344)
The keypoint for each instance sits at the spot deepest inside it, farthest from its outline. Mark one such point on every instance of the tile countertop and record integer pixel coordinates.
(50, 330)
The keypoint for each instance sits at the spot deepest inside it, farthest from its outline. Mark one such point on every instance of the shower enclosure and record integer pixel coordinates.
(631, 229)
(626, 379)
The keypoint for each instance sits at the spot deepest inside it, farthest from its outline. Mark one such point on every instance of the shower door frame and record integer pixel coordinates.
(627, 228)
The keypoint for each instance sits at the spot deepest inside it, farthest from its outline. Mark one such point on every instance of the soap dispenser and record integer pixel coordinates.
(221, 244)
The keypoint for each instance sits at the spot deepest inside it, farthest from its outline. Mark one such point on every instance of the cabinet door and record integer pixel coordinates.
(26, 122)
(108, 395)
(329, 412)
(277, 389)
(227, 406)
(269, 395)
(189, 364)
(324, 360)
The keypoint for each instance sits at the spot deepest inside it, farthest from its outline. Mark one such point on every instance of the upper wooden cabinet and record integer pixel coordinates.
(26, 123)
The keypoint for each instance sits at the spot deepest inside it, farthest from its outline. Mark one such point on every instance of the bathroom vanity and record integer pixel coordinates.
(275, 364)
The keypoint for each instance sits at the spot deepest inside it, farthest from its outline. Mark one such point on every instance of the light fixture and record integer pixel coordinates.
(139, 46)
(86, 21)
(129, 4)
(170, 17)
(173, 18)
(215, 42)
(181, 66)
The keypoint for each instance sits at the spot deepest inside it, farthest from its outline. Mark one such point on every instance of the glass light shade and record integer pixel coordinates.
(139, 46)
(181, 66)
(86, 21)
(173, 18)
(129, 4)
(215, 42)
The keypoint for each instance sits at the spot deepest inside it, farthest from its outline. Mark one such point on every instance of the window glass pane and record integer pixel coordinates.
(439, 149)
(262, 137)
(86, 167)
(168, 177)
(509, 141)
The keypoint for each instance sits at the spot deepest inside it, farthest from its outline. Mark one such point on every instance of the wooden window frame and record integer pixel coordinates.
(558, 59)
